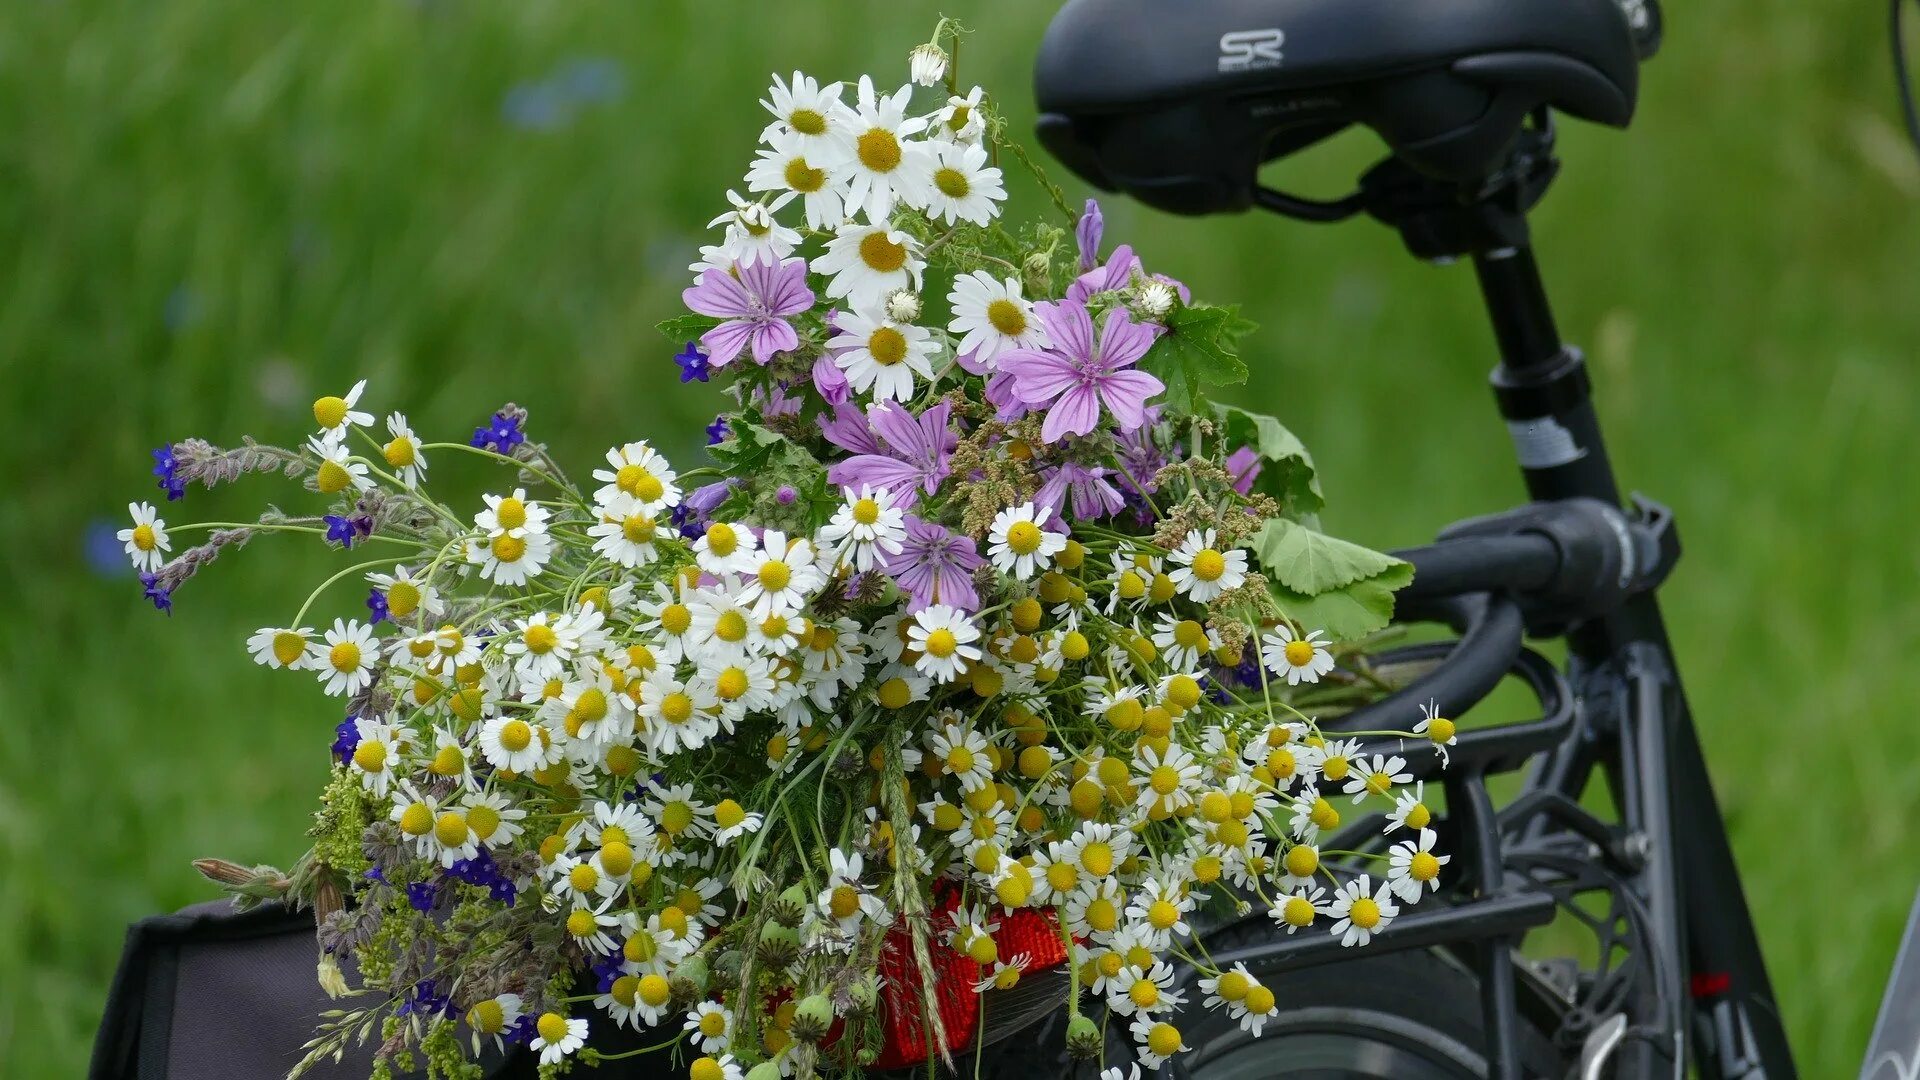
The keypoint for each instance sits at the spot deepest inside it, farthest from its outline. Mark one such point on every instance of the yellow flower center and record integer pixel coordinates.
(1163, 914)
(515, 735)
(952, 183)
(332, 479)
(895, 694)
(370, 755)
(676, 708)
(1145, 993)
(1440, 729)
(879, 150)
(540, 639)
(287, 646)
(1232, 986)
(487, 1018)
(807, 122)
(552, 1027)
(941, 643)
(676, 817)
(1299, 653)
(654, 990)
(583, 877)
(731, 684)
(1302, 860)
(508, 549)
(728, 814)
(1164, 1039)
(803, 177)
(731, 626)
(345, 657)
(675, 619)
(1364, 913)
(1379, 783)
(143, 537)
(1335, 767)
(774, 575)
(1423, 866)
(1259, 1000)
(1297, 911)
(416, 819)
(1419, 817)
(399, 453)
(1209, 564)
(1023, 538)
(450, 828)
(638, 482)
(888, 346)
(1183, 692)
(1164, 779)
(713, 1025)
(510, 514)
(1215, 806)
(616, 858)
(882, 254)
(843, 901)
(1006, 317)
(581, 923)
(1102, 916)
(483, 820)
(960, 760)
(330, 411)
(403, 599)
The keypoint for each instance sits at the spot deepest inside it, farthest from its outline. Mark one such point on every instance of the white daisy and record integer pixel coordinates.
(625, 533)
(1155, 1040)
(785, 576)
(927, 63)
(877, 162)
(376, 755)
(866, 530)
(337, 415)
(845, 900)
(1019, 543)
(337, 470)
(1376, 777)
(413, 813)
(961, 119)
(1202, 571)
(1137, 992)
(752, 234)
(283, 648)
(403, 451)
(722, 622)
(1413, 868)
(1170, 779)
(962, 186)
(786, 167)
(556, 1036)
(1299, 658)
(943, 636)
(1183, 642)
(511, 515)
(869, 261)
(506, 560)
(345, 660)
(1253, 1009)
(991, 316)
(542, 645)
(639, 472)
(879, 355)
(741, 684)
(509, 742)
(492, 1019)
(494, 820)
(806, 112)
(1438, 729)
(712, 1026)
(678, 715)
(589, 926)
(146, 541)
(1409, 811)
(1296, 910)
(733, 822)
(1361, 911)
(1162, 909)
(407, 595)
(963, 755)
(726, 549)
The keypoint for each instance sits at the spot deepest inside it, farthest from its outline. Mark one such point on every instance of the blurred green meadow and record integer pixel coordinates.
(213, 211)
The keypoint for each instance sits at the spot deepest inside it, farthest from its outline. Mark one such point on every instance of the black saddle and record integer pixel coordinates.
(1179, 102)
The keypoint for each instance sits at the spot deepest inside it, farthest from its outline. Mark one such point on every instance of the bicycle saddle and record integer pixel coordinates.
(1179, 103)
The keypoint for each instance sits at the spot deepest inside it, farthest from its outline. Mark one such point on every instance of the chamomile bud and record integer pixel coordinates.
(928, 63)
(903, 305)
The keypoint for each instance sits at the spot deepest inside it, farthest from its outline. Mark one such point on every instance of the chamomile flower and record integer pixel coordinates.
(880, 356)
(962, 186)
(376, 756)
(726, 549)
(787, 167)
(785, 576)
(589, 927)
(878, 165)
(337, 415)
(1183, 642)
(1098, 848)
(413, 813)
(146, 542)
(345, 659)
(281, 647)
(741, 684)
(752, 234)
(722, 622)
(1006, 973)
(1094, 909)
(677, 715)
(492, 1019)
(1360, 911)
(452, 838)
(1162, 909)
(1202, 571)
(1143, 992)
(677, 812)
(846, 900)
(542, 645)
(1253, 1009)
(963, 755)
(1155, 1040)
(961, 119)
(711, 1025)
(494, 820)
(556, 1036)
(1170, 778)
(1409, 811)
(638, 472)
(404, 452)
(1438, 729)
(944, 637)
(1297, 908)
(505, 560)
(509, 742)
(511, 515)
(1227, 987)
(867, 262)
(990, 316)
(337, 469)
(1413, 868)
(867, 529)
(927, 63)
(1376, 777)
(806, 112)
(407, 595)
(1302, 658)
(625, 533)
(652, 949)
(1019, 543)
(732, 822)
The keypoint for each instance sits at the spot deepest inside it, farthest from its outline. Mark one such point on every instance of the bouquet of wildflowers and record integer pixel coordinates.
(984, 644)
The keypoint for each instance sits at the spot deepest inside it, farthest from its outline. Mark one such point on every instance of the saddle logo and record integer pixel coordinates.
(1251, 50)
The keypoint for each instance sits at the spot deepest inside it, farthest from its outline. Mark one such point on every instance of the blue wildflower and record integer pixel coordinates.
(167, 468)
(341, 530)
(608, 968)
(717, 431)
(422, 894)
(346, 739)
(524, 1029)
(500, 434)
(377, 603)
(425, 998)
(161, 596)
(693, 363)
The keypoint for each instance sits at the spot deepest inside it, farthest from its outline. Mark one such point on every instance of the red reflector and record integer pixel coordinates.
(1711, 983)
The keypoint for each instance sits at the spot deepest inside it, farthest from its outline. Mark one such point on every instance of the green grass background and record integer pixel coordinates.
(211, 211)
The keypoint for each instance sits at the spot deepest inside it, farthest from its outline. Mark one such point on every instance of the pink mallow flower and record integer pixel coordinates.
(756, 300)
(1091, 493)
(914, 451)
(936, 566)
(1074, 378)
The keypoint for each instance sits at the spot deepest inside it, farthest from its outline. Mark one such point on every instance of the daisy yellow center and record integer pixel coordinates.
(728, 814)
(483, 820)
(1419, 817)
(450, 829)
(1062, 876)
(1379, 783)
(675, 817)
(807, 122)
(888, 346)
(774, 575)
(879, 150)
(371, 756)
(1164, 779)
(637, 529)
(676, 708)
(640, 948)
(654, 990)
(960, 760)
(1097, 857)
(488, 1017)
(638, 482)
(1145, 993)
(510, 514)
(403, 598)
(1163, 914)
(1111, 963)
(616, 858)
(774, 626)
(941, 643)
(507, 549)
(1183, 692)
(591, 705)
(580, 923)
(713, 1024)
(1232, 986)
(1335, 767)
(1259, 1000)
(675, 619)
(1299, 653)
(1423, 866)
(803, 177)
(416, 819)
(882, 254)
(843, 901)
(515, 736)
(345, 657)
(332, 478)
(1364, 913)
(866, 511)
(895, 694)
(1301, 860)
(1440, 729)
(143, 537)
(552, 1027)
(1023, 538)
(1164, 1039)
(583, 877)
(1189, 634)
(330, 411)
(731, 626)
(1215, 806)
(399, 453)
(1324, 815)
(287, 646)
(540, 639)
(1209, 565)
(1102, 916)
(952, 183)
(731, 685)
(1298, 911)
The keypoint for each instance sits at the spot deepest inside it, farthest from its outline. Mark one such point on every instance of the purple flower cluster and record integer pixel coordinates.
(500, 435)
(167, 468)
(345, 530)
(377, 605)
(161, 596)
(425, 999)
(346, 739)
(482, 871)
(422, 895)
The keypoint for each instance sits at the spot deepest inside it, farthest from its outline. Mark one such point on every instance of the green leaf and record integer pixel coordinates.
(684, 328)
(1350, 612)
(1312, 563)
(1199, 348)
(1289, 474)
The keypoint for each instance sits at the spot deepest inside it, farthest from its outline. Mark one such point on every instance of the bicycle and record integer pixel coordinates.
(1180, 110)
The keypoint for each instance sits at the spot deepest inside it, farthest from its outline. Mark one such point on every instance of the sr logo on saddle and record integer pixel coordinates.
(1251, 50)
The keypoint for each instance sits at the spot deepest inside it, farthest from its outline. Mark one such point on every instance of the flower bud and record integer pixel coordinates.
(1154, 301)
(331, 980)
(1083, 1038)
(928, 63)
(813, 1017)
(903, 305)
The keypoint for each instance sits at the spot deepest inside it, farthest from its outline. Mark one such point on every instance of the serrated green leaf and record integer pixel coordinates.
(1350, 612)
(1289, 474)
(1198, 349)
(684, 328)
(1311, 563)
